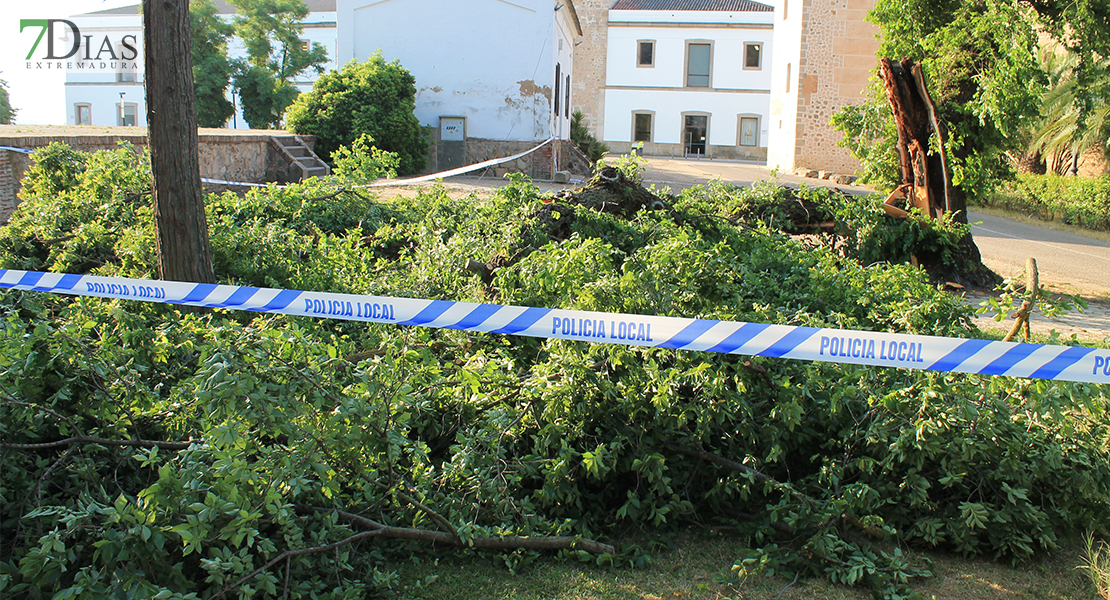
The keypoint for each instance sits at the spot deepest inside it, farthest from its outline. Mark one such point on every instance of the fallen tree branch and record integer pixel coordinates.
(95, 440)
(722, 461)
(512, 542)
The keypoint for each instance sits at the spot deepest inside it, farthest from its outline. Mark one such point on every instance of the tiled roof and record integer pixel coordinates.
(722, 5)
(222, 7)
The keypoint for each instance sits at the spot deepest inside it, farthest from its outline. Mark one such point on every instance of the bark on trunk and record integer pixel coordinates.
(182, 230)
(915, 116)
(927, 182)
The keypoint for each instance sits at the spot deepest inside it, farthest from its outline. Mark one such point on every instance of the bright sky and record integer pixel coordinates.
(38, 95)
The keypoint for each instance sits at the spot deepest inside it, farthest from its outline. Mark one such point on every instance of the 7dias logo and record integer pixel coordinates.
(67, 49)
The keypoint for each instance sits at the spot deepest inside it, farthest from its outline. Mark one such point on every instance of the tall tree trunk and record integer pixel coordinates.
(182, 230)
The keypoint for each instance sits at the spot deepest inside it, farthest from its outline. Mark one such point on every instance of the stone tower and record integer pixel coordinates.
(823, 55)
(588, 87)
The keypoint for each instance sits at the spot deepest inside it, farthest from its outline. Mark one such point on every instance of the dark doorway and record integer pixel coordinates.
(695, 129)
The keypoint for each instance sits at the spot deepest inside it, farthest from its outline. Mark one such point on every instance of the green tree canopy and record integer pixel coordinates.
(373, 97)
(7, 113)
(211, 67)
(271, 30)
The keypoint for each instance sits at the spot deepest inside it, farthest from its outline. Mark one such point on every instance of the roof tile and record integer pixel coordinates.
(721, 5)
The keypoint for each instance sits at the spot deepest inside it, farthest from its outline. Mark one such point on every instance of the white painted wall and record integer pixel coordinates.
(563, 55)
(490, 61)
(669, 105)
(662, 88)
(727, 71)
(784, 104)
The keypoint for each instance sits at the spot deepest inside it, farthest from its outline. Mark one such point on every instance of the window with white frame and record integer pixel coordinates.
(645, 53)
(699, 61)
(82, 113)
(753, 55)
(749, 131)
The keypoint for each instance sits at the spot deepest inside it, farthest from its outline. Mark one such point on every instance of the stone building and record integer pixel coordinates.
(823, 57)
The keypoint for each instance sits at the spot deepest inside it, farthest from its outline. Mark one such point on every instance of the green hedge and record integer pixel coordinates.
(1072, 200)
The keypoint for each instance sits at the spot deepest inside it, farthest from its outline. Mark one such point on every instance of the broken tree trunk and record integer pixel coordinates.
(923, 161)
(925, 178)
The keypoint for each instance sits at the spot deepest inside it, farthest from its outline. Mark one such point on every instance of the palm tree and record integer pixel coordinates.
(1073, 123)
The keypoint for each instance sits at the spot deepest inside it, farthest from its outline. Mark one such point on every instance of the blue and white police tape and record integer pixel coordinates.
(984, 357)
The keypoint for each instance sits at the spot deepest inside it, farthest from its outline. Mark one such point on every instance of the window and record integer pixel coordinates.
(641, 127)
(753, 55)
(785, 5)
(558, 80)
(566, 104)
(82, 114)
(698, 61)
(646, 55)
(749, 131)
(125, 114)
(787, 77)
(305, 45)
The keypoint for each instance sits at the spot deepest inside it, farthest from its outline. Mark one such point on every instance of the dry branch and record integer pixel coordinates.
(513, 542)
(95, 440)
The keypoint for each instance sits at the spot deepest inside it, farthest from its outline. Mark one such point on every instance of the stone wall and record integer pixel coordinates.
(241, 156)
(537, 165)
(588, 85)
(837, 56)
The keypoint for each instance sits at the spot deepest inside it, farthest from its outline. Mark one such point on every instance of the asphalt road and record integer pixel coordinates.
(1067, 262)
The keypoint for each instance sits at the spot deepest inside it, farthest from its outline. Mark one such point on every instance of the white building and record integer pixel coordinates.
(689, 77)
(116, 95)
(493, 77)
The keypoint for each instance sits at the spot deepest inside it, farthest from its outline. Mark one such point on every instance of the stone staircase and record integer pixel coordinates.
(302, 161)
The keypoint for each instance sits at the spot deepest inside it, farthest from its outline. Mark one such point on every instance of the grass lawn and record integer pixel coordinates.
(699, 567)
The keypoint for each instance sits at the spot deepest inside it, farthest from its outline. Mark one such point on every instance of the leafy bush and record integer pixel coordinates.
(373, 97)
(1073, 200)
(296, 434)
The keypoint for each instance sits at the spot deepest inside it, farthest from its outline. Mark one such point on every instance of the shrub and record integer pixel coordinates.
(294, 431)
(376, 98)
(1080, 201)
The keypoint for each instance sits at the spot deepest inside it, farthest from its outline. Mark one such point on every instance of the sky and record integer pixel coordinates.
(39, 96)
